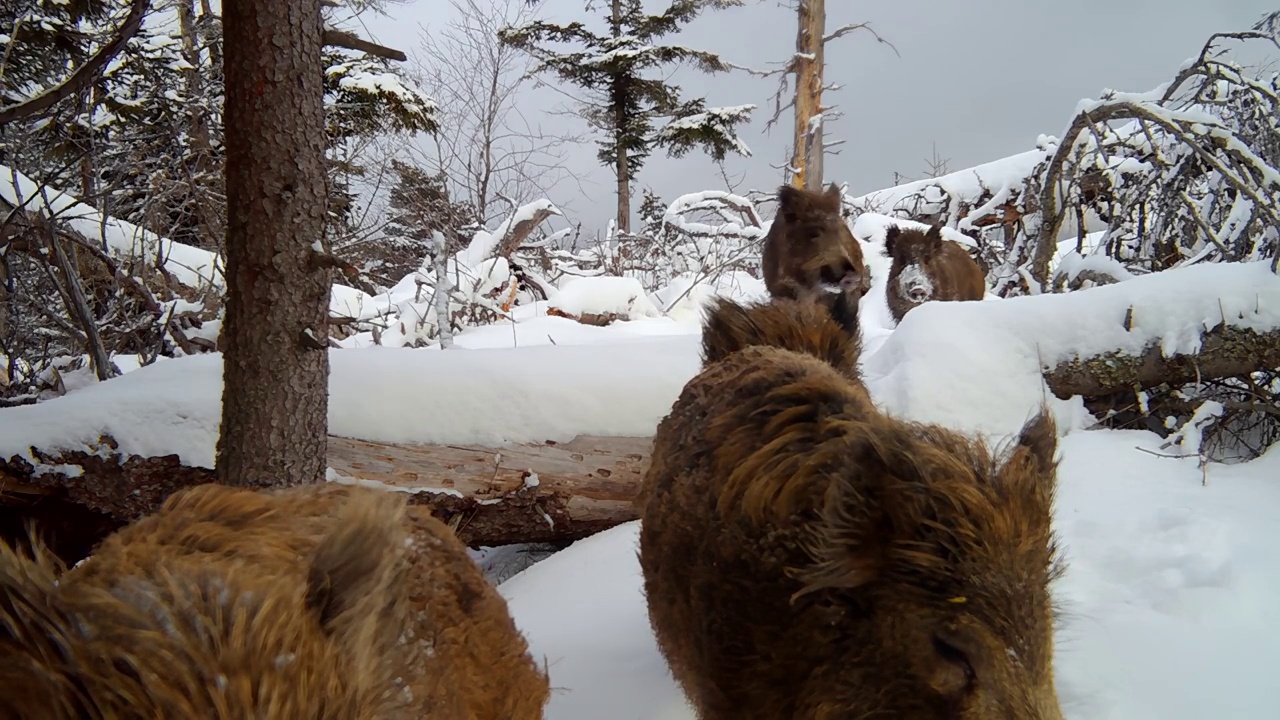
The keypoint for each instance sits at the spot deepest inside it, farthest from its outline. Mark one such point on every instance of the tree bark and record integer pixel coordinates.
(276, 365)
(619, 121)
(807, 153)
(1224, 352)
(489, 495)
(210, 229)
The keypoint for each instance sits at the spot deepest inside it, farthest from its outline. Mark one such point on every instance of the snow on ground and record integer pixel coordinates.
(973, 366)
(486, 396)
(869, 228)
(1169, 597)
(604, 295)
(685, 296)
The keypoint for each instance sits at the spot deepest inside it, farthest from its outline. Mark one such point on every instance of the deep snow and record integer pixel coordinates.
(1168, 600)
(1171, 586)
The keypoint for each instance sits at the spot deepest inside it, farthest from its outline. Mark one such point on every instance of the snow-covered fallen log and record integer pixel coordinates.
(428, 422)
(464, 431)
(1224, 352)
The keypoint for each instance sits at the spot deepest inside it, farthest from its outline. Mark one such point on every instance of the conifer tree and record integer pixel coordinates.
(619, 69)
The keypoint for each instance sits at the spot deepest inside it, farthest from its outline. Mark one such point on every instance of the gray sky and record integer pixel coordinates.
(980, 83)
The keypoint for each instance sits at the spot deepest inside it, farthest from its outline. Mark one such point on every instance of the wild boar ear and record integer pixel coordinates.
(355, 566)
(933, 239)
(793, 203)
(1039, 438)
(831, 198)
(844, 310)
(891, 234)
(1031, 463)
(873, 504)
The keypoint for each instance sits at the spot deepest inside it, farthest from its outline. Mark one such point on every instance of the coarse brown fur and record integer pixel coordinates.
(310, 603)
(806, 556)
(826, 329)
(926, 267)
(809, 246)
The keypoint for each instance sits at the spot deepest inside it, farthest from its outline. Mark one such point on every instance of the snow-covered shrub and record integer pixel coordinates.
(602, 299)
(700, 236)
(1186, 173)
(482, 284)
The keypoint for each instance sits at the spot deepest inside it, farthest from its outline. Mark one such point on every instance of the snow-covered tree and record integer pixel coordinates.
(635, 109)
(418, 206)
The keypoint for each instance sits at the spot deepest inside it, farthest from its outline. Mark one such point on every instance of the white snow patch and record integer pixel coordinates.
(487, 397)
(1162, 574)
(684, 298)
(976, 366)
(604, 294)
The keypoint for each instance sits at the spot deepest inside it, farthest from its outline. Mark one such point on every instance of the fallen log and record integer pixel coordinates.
(544, 492)
(1225, 351)
(499, 496)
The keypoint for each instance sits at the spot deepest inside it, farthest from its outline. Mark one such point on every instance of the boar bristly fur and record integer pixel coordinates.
(926, 267)
(807, 557)
(809, 249)
(827, 329)
(318, 602)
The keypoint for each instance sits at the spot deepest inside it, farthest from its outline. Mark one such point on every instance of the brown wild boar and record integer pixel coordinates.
(323, 602)
(926, 267)
(799, 325)
(807, 557)
(809, 248)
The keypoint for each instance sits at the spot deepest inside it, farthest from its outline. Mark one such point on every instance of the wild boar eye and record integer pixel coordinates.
(952, 654)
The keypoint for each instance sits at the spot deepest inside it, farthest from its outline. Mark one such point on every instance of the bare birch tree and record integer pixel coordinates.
(488, 150)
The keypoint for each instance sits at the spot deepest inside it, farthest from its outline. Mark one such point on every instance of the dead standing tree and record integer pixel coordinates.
(808, 66)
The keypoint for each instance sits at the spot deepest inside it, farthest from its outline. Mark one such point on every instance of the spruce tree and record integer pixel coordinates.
(620, 70)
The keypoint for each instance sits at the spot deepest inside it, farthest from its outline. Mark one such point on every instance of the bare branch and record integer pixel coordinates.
(343, 39)
(846, 29)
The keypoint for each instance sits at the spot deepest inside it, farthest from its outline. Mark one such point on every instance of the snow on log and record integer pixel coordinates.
(430, 423)
(1224, 352)
(602, 299)
(984, 367)
(989, 194)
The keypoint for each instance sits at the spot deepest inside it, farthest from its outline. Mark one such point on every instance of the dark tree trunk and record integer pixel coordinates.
(275, 395)
(621, 165)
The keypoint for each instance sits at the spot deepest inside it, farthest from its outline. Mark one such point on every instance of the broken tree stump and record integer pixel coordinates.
(534, 492)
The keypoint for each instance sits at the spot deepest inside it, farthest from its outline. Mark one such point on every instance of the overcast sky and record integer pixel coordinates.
(980, 80)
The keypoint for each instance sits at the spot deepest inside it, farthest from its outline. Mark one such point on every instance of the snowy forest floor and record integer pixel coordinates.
(1168, 602)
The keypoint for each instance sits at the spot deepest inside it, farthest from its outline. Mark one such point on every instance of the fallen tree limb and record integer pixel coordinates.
(547, 492)
(1225, 351)
(350, 41)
